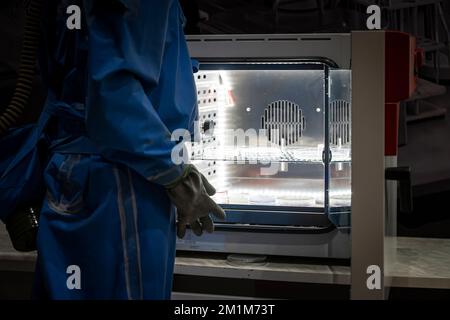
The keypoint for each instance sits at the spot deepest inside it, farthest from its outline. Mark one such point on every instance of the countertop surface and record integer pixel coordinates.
(420, 263)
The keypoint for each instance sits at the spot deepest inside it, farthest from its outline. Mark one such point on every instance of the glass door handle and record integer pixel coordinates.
(403, 176)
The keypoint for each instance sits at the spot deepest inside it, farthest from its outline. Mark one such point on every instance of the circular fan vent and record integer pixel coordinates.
(283, 121)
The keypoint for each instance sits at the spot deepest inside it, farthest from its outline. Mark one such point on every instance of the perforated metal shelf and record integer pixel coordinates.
(273, 154)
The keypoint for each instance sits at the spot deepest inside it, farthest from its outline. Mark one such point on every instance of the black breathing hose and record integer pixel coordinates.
(30, 43)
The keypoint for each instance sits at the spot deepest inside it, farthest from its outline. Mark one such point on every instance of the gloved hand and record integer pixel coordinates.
(191, 196)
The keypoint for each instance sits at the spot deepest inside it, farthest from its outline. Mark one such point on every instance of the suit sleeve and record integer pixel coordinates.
(126, 48)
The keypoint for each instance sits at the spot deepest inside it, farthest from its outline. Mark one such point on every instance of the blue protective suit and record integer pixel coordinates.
(117, 89)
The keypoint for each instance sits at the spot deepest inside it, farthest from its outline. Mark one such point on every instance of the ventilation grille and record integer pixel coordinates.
(340, 122)
(283, 121)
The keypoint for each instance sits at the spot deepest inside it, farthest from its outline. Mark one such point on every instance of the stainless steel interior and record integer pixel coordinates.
(262, 134)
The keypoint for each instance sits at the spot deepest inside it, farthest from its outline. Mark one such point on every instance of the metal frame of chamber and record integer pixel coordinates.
(271, 228)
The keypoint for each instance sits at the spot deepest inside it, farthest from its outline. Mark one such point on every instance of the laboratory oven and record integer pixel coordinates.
(274, 138)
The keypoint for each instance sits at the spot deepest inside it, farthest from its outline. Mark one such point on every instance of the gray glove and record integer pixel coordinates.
(191, 196)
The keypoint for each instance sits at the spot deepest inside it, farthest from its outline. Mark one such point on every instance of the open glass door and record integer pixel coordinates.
(339, 137)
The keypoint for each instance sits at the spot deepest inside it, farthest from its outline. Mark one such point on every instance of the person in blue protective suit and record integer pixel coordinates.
(117, 89)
